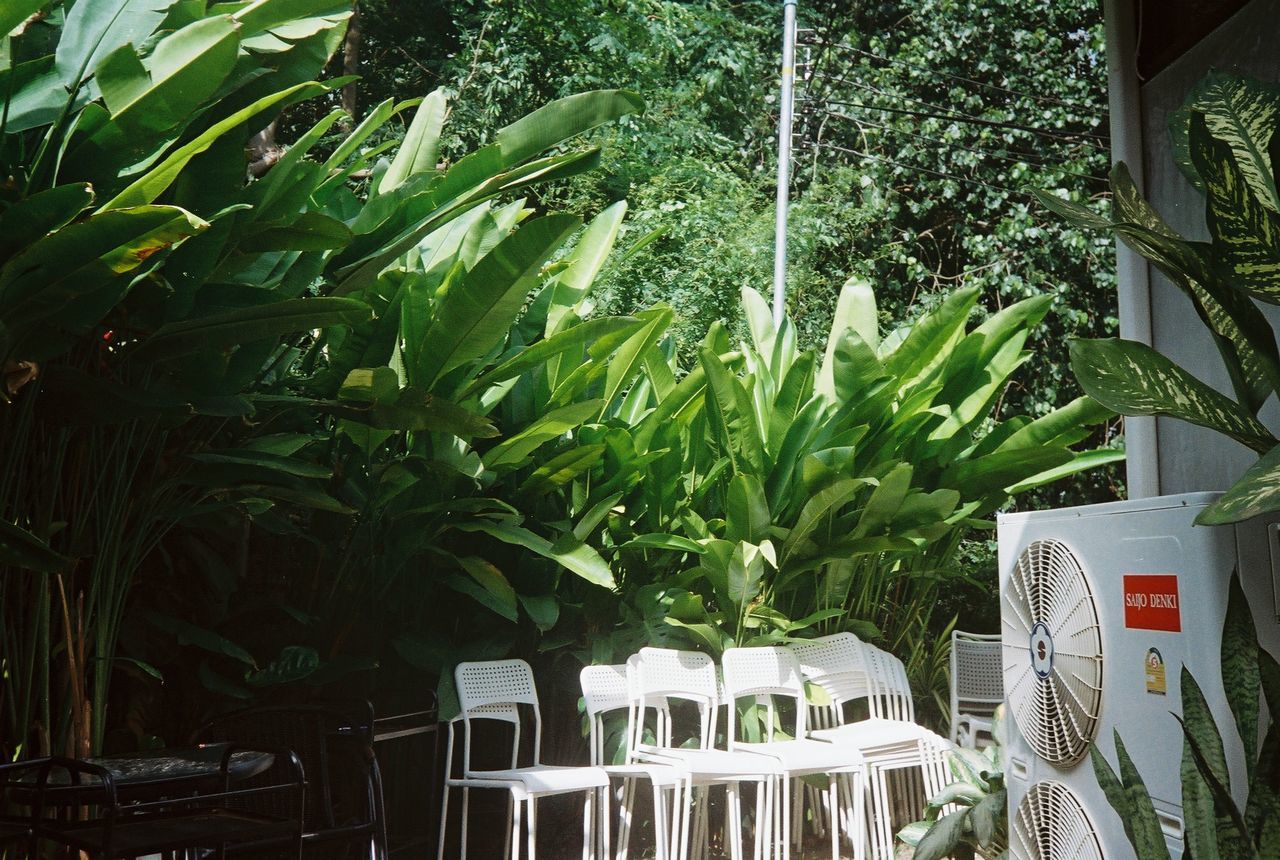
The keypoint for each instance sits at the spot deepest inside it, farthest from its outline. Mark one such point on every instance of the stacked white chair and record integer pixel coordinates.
(977, 685)
(496, 690)
(765, 675)
(655, 677)
(604, 691)
(906, 762)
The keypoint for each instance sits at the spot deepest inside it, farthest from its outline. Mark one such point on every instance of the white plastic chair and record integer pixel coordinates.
(604, 691)
(654, 677)
(848, 671)
(495, 691)
(977, 685)
(765, 675)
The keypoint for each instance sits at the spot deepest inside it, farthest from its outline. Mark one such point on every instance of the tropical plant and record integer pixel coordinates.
(185, 322)
(1215, 825)
(786, 491)
(969, 818)
(1221, 138)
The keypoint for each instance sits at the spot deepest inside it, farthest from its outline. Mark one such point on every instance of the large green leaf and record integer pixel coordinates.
(625, 365)
(562, 119)
(477, 312)
(856, 311)
(21, 549)
(420, 148)
(513, 450)
(224, 330)
(14, 12)
(583, 264)
(497, 591)
(82, 257)
(95, 29)
(1134, 379)
(572, 340)
(574, 555)
(747, 516)
(1246, 233)
(1243, 113)
(30, 219)
(1256, 492)
(155, 181)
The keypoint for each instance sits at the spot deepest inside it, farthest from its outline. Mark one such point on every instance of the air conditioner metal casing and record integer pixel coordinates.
(1153, 537)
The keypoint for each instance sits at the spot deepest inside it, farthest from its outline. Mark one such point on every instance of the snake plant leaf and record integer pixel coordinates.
(1076, 213)
(1243, 114)
(1199, 819)
(1241, 677)
(22, 550)
(31, 218)
(244, 325)
(1134, 379)
(420, 149)
(1145, 833)
(477, 312)
(93, 30)
(1246, 234)
(554, 123)
(1205, 745)
(1256, 492)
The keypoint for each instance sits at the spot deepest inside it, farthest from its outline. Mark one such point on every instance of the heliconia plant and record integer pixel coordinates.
(1222, 136)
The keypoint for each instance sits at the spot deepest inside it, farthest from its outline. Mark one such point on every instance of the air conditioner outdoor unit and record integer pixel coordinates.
(1101, 607)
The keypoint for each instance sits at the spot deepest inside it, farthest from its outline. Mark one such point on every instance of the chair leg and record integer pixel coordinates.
(514, 838)
(661, 838)
(606, 813)
(532, 832)
(444, 821)
(589, 833)
(834, 817)
(508, 838)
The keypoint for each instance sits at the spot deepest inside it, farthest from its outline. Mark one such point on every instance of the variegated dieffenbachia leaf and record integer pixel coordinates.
(1246, 235)
(1243, 114)
(1134, 379)
(1257, 492)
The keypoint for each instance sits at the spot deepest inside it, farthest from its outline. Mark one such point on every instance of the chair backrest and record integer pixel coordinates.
(891, 699)
(305, 729)
(604, 690)
(836, 664)
(763, 673)
(657, 675)
(495, 690)
(977, 674)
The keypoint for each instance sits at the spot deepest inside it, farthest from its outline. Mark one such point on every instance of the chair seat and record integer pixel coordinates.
(806, 756)
(657, 773)
(714, 764)
(874, 734)
(544, 778)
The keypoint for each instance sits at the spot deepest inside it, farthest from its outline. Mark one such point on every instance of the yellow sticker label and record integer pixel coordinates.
(1156, 682)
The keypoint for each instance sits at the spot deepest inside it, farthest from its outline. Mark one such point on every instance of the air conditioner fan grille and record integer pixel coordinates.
(1051, 824)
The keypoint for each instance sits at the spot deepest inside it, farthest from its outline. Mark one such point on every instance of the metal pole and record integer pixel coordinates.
(785, 122)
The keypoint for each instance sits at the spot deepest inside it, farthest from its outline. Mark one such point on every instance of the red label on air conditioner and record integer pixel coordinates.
(1151, 602)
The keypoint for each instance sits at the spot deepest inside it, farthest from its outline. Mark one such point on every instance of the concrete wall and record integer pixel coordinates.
(1191, 458)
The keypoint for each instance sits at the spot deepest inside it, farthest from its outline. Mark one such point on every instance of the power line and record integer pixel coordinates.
(1023, 158)
(1033, 129)
(1001, 188)
(972, 120)
(897, 62)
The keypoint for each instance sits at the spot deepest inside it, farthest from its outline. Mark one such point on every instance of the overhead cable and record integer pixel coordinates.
(942, 174)
(994, 87)
(1018, 158)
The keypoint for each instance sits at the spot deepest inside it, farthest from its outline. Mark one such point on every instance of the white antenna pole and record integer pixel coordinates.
(785, 121)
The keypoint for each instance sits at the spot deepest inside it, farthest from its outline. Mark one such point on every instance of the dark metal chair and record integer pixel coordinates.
(82, 806)
(15, 826)
(344, 816)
